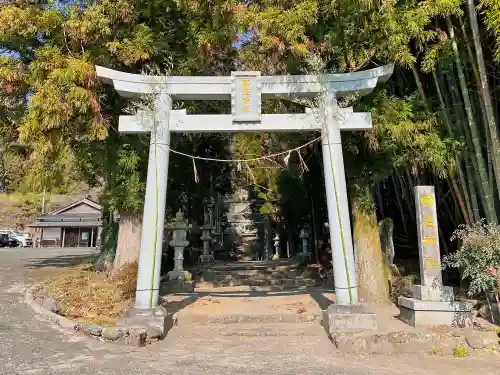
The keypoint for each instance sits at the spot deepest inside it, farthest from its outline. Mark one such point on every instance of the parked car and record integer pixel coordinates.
(17, 238)
(6, 241)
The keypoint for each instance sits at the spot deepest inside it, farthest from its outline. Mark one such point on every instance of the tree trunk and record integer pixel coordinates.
(372, 283)
(129, 241)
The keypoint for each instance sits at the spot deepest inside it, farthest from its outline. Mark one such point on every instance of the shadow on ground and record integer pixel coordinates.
(59, 261)
(174, 306)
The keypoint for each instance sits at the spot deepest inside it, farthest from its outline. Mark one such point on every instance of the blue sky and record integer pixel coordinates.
(242, 38)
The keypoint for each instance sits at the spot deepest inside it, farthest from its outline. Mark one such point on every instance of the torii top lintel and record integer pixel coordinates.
(222, 87)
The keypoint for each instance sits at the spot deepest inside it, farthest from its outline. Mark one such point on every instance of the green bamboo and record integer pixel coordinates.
(467, 207)
(490, 207)
(469, 160)
(470, 52)
(411, 186)
(380, 201)
(477, 78)
(485, 94)
(398, 202)
(420, 87)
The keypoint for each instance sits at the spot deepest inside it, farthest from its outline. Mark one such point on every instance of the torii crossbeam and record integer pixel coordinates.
(245, 90)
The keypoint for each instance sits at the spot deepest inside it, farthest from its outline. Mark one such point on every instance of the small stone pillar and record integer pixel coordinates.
(433, 303)
(304, 235)
(276, 246)
(207, 239)
(267, 238)
(211, 215)
(179, 242)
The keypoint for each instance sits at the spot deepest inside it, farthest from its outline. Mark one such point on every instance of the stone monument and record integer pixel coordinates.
(432, 303)
(240, 231)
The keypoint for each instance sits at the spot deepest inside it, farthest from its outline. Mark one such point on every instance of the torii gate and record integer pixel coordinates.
(245, 90)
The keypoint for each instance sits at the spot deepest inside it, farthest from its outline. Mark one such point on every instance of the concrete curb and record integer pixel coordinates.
(49, 315)
(135, 336)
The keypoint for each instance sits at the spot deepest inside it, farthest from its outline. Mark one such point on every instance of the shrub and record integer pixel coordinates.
(478, 257)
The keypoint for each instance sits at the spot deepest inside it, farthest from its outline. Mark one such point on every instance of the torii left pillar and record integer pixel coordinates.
(146, 311)
(148, 282)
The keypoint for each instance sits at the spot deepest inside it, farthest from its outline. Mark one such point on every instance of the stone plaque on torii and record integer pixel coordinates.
(245, 90)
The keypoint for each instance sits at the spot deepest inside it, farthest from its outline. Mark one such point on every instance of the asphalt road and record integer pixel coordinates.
(31, 345)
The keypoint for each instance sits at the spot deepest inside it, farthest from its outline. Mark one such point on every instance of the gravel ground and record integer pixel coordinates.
(30, 345)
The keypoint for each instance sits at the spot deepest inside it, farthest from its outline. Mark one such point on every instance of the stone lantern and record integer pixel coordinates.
(276, 246)
(304, 235)
(179, 242)
(207, 239)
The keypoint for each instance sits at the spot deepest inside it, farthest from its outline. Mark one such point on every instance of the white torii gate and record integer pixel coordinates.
(245, 90)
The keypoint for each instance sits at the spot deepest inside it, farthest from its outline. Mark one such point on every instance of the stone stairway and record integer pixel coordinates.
(249, 312)
(276, 298)
(272, 275)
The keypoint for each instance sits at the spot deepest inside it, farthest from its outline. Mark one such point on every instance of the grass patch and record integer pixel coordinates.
(460, 351)
(434, 350)
(90, 296)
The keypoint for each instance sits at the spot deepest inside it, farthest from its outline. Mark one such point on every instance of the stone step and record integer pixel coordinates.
(247, 274)
(212, 289)
(252, 265)
(288, 283)
(290, 272)
(256, 277)
(312, 329)
(184, 318)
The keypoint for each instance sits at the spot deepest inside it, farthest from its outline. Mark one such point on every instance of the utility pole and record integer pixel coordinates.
(43, 198)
